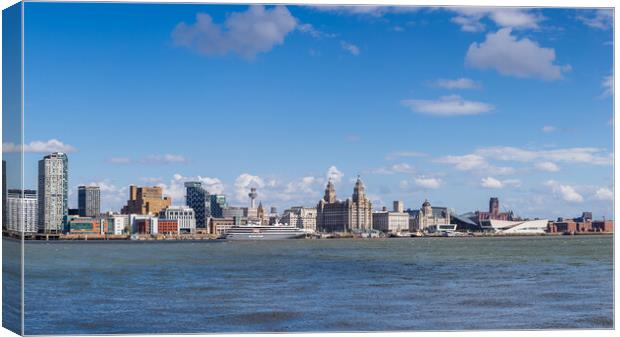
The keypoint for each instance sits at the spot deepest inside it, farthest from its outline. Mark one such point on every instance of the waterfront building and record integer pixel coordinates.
(217, 205)
(146, 200)
(53, 192)
(89, 225)
(184, 215)
(198, 198)
(250, 213)
(120, 223)
(493, 212)
(89, 201)
(146, 225)
(354, 214)
(233, 212)
(391, 222)
(605, 226)
(135, 218)
(566, 226)
(429, 218)
(21, 211)
(582, 224)
(537, 226)
(274, 218)
(585, 216)
(300, 217)
(170, 227)
(465, 222)
(219, 226)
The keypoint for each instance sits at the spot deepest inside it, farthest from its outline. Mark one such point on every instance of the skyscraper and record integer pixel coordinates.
(198, 198)
(217, 205)
(89, 198)
(53, 192)
(22, 211)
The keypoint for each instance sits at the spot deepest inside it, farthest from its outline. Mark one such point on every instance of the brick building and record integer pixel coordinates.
(146, 200)
(493, 212)
(167, 227)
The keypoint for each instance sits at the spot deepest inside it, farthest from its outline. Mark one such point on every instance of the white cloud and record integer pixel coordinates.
(396, 168)
(608, 86)
(119, 160)
(151, 180)
(474, 162)
(513, 57)
(248, 33)
(212, 185)
(334, 174)
(306, 186)
(314, 32)
(599, 19)
(567, 192)
(547, 166)
(175, 188)
(429, 183)
(549, 129)
(469, 18)
(244, 182)
(164, 159)
(604, 193)
(490, 182)
(469, 23)
(365, 10)
(401, 154)
(350, 47)
(452, 105)
(52, 145)
(403, 168)
(585, 155)
(466, 162)
(459, 83)
(404, 184)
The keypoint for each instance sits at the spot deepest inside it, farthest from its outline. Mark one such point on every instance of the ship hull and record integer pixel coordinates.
(263, 236)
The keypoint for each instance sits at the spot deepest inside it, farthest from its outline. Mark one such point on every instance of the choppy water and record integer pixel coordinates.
(319, 285)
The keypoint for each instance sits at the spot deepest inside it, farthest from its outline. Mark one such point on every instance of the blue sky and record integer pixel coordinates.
(454, 105)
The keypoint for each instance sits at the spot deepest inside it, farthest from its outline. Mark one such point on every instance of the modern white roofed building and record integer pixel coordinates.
(538, 226)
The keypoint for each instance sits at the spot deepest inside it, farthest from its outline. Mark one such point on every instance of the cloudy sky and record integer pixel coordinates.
(454, 105)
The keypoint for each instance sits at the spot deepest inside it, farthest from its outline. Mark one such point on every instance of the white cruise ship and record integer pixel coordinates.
(254, 231)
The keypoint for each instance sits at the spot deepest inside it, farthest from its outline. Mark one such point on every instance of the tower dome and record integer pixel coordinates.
(359, 192)
(330, 192)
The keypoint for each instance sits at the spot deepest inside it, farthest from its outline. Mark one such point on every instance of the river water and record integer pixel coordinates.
(318, 285)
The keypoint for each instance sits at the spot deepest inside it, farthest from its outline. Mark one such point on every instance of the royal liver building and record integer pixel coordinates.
(344, 216)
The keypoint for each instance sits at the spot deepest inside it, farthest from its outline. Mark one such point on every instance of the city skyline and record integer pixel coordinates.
(415, 101)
